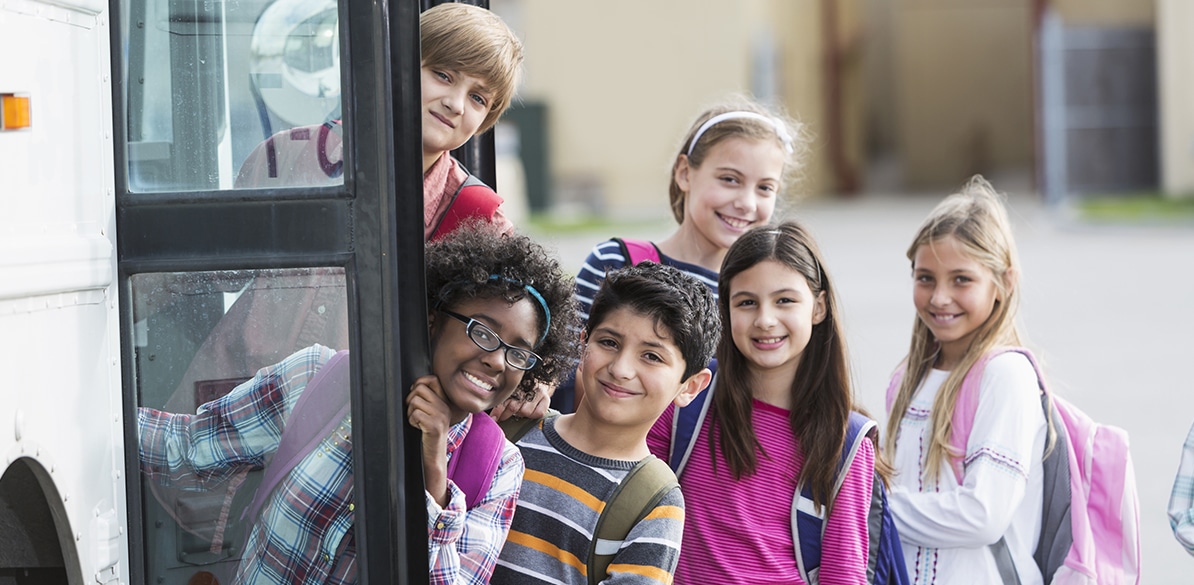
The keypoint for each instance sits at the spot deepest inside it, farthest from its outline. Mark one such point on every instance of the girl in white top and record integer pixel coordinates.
(965, 290)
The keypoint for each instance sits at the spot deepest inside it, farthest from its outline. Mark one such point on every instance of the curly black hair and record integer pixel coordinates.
(460, 265)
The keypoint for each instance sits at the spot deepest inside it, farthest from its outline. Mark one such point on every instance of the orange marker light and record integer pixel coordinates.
(14, 112)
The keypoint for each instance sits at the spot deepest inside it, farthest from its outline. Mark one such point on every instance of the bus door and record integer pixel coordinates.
(269, 191)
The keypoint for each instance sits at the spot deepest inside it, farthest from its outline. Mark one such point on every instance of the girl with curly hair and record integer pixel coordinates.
(499, 308)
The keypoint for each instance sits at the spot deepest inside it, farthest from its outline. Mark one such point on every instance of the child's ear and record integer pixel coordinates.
(1011, 279)
(680, 173)
(584, 348)
(820, 309)
(691, 388)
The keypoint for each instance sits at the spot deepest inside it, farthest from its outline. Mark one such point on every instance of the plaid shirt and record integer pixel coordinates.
(1181, 503)
(305, 533)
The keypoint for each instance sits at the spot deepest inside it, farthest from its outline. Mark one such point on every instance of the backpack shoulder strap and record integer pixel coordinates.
(516, 427)
(893, 387)
(636, 251)
(634, 498)
(472, 200)
(808, 524)
(967, 403)
(686, 425)
(322, 405)
(476, 460)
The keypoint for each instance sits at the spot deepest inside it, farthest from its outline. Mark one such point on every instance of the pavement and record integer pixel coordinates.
(1108, 309)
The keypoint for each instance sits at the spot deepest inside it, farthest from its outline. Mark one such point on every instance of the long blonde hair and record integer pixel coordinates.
(977, 219)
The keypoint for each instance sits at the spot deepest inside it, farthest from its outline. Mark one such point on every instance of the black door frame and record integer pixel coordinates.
(370, 226)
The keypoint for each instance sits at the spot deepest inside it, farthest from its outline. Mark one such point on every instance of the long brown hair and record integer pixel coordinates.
(822, 397)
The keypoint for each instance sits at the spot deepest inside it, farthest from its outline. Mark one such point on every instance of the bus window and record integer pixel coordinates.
(198, 336)
(231, 95)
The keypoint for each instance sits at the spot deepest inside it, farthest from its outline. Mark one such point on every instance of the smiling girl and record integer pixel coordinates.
(949, 506)
(736, 160)
(780, 408)
(499, 309)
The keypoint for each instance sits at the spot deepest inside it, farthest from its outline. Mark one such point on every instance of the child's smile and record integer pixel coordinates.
(629, 358)
(735, 222)
(733, 190)
(476, 380)
(953, 294)
(454, 107)
(772, 313)
(483, 385)
(769, 343)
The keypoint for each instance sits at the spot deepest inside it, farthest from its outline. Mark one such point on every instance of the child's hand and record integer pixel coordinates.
(536, 407)
(427, 407)
(427, 410)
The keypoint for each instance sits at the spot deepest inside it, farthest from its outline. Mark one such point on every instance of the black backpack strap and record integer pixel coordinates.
(638, 493)
(516, 427)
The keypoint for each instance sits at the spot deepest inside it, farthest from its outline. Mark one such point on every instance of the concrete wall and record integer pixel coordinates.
(623, 81)
(1107, 12)
(1175, 72)
(963, 88)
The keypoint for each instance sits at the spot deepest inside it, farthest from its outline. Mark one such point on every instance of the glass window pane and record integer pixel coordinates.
(226, 95)
(199, 336)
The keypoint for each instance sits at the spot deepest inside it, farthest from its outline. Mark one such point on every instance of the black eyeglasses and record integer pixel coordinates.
(486, 339)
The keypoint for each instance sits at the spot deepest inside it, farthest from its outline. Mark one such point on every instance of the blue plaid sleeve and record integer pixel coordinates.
(464, 544)
(1181, 502)
(240, 430)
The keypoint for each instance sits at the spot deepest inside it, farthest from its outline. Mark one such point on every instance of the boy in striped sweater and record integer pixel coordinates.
(651, 331)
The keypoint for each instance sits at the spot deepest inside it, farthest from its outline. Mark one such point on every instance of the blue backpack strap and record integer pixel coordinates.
(885, 554)
(686, 424)
(476, 460)
(808, 526)
(636, 251)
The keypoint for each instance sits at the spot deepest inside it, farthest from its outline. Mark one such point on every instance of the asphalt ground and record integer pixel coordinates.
(1108, 308)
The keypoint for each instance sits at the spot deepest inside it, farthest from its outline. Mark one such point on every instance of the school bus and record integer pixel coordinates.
(138, 268)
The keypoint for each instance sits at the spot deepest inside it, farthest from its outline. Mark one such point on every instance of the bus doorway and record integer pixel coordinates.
(267, 163)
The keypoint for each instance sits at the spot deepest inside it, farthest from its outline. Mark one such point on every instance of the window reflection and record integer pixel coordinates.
(197, 336)
(227, 95)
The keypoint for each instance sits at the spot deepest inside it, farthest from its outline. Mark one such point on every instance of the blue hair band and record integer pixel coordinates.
(534, 294)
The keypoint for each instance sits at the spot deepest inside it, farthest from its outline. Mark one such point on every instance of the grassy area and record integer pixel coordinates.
(1137, 208)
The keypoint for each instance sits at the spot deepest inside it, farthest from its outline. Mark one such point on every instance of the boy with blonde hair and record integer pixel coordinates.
(471, 64)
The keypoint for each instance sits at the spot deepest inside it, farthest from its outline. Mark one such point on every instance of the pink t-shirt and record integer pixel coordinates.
(740, 531)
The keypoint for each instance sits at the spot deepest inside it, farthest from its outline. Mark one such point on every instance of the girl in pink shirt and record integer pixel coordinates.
(777, 420)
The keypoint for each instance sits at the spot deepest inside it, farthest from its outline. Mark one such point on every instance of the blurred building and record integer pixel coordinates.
(899, 94)
(615, 85)
(1175, 55)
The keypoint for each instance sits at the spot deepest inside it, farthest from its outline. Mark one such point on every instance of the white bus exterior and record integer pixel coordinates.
(63, 511)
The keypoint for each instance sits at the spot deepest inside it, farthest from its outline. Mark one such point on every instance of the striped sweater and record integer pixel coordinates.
(563, 493)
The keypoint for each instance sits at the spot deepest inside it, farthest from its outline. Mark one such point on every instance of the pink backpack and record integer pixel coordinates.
(1090, 517)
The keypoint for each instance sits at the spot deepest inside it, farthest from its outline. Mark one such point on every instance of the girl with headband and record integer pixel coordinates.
(736, 160)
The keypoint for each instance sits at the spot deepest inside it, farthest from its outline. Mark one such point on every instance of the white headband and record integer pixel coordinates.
(780, 131)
